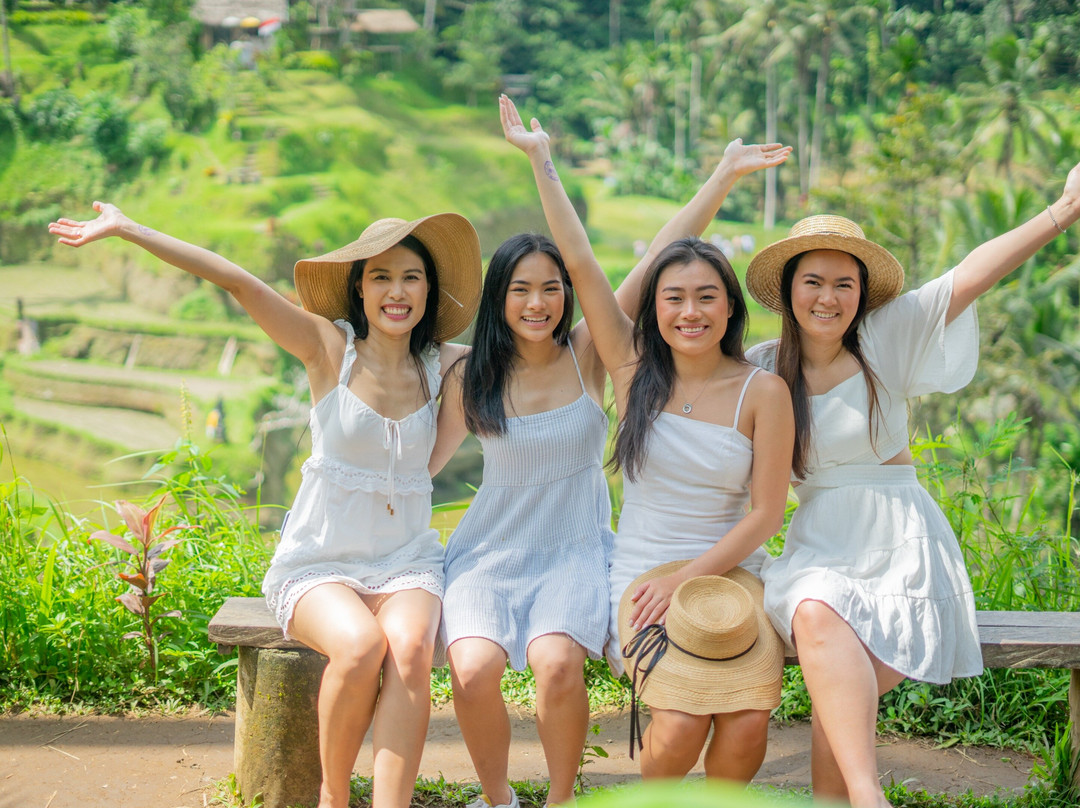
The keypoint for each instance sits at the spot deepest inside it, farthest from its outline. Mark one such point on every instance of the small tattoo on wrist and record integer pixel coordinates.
(146, 231)
(549, 169)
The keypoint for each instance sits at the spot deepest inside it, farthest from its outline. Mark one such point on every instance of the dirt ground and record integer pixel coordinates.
(171, 762)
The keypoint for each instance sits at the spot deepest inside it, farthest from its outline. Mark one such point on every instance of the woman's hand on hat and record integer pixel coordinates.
(651, 600)
(743, 159)
(110, 222)
(536, 141)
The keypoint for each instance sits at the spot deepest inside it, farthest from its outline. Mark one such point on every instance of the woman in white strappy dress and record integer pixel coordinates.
(679, 379)
(358, 573)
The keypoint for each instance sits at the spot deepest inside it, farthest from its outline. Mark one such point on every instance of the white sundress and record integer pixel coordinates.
(867, 539)
(362, 515)
(692, 489)
(530, 556)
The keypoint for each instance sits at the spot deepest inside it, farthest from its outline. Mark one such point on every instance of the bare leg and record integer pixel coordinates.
(409, 619)
(824, 771)
(737, 748)
(562, 709)
(476, 668)
(844, 681)
(333, 620)
(673, 743)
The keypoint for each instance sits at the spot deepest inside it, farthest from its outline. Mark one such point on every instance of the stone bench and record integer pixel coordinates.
(276, 747)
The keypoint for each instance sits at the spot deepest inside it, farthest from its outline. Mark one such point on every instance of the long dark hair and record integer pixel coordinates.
(422, 336)
(789, 363)
(654, 376)
(490, 363)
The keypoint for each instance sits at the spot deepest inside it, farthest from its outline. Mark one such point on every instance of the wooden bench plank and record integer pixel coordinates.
(247, 621)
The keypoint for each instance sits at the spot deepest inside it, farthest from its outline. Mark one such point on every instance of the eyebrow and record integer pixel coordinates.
(815, 276)
(704, 288)
(523, 282)
(376, 268)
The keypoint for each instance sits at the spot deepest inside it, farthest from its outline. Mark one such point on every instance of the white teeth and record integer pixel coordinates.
(695, 329)
(535, 319)
(823, 316)
(396, 309)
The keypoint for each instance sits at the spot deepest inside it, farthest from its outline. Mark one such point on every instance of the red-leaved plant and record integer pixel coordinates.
(146, 560)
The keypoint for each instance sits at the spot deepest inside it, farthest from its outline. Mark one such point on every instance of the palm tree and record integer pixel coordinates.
(7, 85)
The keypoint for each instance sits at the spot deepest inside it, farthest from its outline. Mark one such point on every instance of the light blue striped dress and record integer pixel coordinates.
(530, 557)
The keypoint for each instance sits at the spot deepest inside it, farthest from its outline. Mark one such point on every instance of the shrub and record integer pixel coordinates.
(149, 141)
(312, 60)
(53, 115)
(105, 124)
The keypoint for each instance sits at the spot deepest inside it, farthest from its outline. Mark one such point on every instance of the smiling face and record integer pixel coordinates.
(535, 299)
(692, 307)
(394, 289)
(825, 293)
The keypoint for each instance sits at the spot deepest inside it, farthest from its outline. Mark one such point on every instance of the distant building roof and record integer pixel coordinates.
(216, 12)
(385, 21)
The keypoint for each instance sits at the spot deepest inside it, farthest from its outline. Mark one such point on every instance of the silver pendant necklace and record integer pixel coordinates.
(688, 407)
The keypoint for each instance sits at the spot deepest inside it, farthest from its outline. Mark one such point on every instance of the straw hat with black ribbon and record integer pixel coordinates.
(716, 653)
(322, 282)
(824, 232)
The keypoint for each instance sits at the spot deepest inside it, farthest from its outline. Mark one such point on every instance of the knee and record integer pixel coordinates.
(745, 733)
(473, 674)
(411, 650)
(558, 676)
(358, 655)
(813, 623)
(675, 733)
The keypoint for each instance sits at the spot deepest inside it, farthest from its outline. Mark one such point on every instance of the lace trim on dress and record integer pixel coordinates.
(283, 602)
(358, 479)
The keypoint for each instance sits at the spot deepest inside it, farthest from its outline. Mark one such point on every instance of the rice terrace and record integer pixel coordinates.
(153, 435)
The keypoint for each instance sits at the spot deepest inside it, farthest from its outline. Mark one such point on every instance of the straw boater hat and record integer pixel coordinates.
(722, 653)
(322, 282)
(826, 232)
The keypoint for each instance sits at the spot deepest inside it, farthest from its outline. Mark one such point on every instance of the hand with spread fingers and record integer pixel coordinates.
(111, 222)
(743, 159)
(515, 131)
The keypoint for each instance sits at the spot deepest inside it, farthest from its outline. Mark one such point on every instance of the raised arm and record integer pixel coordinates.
(299, 332)
(769, 404)
(611, 329)
(738, 161)
(990, 262)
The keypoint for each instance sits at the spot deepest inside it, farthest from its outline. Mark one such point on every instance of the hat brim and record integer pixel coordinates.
(884, 272)
(322, 282)
(704, 687)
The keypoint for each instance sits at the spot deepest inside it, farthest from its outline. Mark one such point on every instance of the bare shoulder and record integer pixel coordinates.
(767, 387)
(450, 354)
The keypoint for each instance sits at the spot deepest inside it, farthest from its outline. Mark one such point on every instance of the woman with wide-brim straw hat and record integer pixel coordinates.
(697, 425)
(871, 586)
(358, 574)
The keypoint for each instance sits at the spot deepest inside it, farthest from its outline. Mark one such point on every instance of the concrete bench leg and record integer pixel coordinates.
(276, 749)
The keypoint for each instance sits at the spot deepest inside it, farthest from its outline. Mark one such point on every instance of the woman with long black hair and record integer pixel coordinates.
(527, 568)
(698, 425)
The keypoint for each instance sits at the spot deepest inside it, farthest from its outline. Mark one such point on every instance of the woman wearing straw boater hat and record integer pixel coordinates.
(358, 574)
(871, 586)
(697, 425)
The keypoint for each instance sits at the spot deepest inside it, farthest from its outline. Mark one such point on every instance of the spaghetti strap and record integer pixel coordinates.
(573, 356)
(742, 395)
(350, 351)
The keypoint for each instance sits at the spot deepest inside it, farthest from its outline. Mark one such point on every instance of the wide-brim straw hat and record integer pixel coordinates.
(322, 282)
(824, 232)
(723, 654)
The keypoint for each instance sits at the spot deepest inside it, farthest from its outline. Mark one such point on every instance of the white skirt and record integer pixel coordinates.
(872, 544)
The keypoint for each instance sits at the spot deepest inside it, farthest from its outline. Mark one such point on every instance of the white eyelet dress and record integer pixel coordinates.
(362, 516)
(867, 539)
(530, 556)
(692, 489)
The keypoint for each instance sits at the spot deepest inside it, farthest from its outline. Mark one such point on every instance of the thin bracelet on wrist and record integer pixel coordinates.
(1055, 221)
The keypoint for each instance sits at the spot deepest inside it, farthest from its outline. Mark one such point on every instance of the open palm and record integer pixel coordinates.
(745, 159)
(75, 234)
(515, 131)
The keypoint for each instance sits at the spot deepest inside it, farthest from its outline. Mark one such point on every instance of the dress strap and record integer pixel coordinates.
(350, 351)
(742, 395)
(570, 345)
